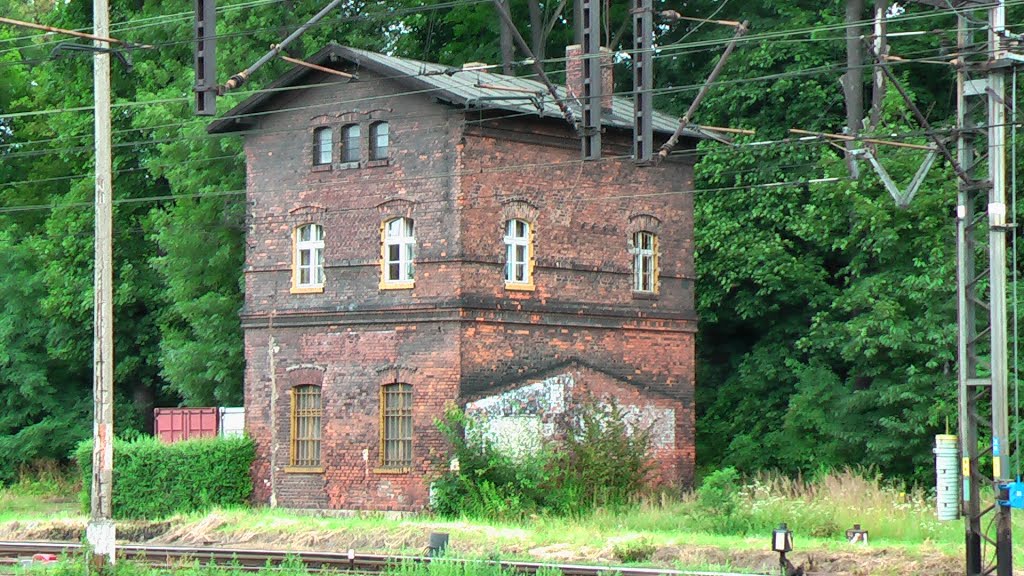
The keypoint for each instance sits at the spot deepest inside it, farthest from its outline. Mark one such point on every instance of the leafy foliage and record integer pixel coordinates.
(602, 461)
(154, 480)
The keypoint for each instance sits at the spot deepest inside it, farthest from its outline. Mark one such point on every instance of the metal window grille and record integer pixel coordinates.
(350, 143)
(324, 138)
(517, 252)
(379, 141)
(306, 415)
(396, 426)
(399, 242)
(645, 262)
(309, 255)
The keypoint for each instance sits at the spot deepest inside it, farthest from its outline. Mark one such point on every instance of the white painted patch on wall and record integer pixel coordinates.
(519, 421)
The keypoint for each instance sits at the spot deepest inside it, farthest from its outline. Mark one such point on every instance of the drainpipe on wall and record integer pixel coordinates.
(274, 443)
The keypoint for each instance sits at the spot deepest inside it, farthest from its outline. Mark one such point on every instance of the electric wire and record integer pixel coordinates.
(662, 91)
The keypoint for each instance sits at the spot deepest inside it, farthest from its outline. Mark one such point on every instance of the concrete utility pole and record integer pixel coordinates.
(981, 101)
(100, 532)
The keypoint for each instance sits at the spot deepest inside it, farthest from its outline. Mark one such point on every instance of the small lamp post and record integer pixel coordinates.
(782, 542)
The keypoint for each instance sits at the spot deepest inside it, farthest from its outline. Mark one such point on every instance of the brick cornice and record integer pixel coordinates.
(610, 318)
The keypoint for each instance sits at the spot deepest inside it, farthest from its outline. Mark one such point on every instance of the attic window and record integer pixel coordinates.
(379, 141)
(323, 146)
(350, 143)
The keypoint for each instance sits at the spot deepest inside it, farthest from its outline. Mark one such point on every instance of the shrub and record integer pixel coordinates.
(718, 504)
(603, 461)
(154, 480)
(488, 482)
(634, 550)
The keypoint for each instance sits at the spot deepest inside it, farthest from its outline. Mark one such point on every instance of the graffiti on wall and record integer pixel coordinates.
(521, 420)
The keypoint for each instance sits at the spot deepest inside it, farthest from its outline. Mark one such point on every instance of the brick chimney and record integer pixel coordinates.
(574, 76)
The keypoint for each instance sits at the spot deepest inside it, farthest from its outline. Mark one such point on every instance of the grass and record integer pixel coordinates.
(901, 522)
(44, 492)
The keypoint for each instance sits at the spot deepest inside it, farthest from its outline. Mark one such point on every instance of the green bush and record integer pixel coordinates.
(718, 507)
(605, 461)
(602, 461)
(490, 483)
(634, 550)
(154, 480)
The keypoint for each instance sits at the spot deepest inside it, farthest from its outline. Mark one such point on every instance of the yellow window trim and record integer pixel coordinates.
(396, 470)
(308, 289)
(304, 470)
(381, 468)
(294, 438)
(395, 285)
(520, 287)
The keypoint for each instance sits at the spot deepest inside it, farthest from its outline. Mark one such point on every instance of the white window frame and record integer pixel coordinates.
(323, 146)
(314, 247)
(401, 234)
(518, 255)
(378, 152)
(351, 140)
(645, 262)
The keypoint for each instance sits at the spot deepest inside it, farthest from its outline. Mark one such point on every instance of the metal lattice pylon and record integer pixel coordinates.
(981, 269)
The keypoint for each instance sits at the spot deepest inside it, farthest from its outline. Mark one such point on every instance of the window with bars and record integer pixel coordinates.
(518, 253)
(399, 246)
(396, 426)
(645, 262)
(379, 134)
(308, 264)
(350, 143)
(323, 146)
(307, 412)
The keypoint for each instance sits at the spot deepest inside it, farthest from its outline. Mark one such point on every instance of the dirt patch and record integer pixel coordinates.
(865, 562)
(58, 530)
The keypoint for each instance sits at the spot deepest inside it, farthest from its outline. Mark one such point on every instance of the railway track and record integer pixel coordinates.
(349, 561)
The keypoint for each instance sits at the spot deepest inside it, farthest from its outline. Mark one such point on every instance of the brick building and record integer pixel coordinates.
(421, 235)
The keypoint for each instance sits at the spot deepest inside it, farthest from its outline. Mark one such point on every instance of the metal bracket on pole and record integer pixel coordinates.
(902, 197)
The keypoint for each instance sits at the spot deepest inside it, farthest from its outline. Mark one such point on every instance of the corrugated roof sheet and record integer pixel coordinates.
(474, 89)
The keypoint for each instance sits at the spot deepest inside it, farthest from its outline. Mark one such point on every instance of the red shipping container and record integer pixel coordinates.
(173, 424)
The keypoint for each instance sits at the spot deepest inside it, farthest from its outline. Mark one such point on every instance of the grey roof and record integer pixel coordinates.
(476, 89)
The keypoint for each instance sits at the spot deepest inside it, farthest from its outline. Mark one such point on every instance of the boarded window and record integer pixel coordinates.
(306, 415)
(396, 426)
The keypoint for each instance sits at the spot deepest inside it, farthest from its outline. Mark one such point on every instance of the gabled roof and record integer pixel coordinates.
(472, 89)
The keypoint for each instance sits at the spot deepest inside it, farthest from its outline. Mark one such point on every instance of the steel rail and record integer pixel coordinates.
(349, 561)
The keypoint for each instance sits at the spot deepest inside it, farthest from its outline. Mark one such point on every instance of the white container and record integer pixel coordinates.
(947, 477)
(232, 422)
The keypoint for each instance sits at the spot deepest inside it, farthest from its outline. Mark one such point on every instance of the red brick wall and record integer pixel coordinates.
(458, 333)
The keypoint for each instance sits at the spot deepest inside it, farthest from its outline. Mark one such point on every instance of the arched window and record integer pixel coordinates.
(323, 146)
(379, 141)
(645, 262)
(307, 412)
(399, 245)
(518, 253)
(396, 426)
(308, 264)
(350, 143)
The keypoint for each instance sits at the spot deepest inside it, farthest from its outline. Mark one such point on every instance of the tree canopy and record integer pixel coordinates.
(827, 331)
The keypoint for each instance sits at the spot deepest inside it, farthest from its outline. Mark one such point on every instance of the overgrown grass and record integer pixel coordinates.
(44, 490)
(817, 510)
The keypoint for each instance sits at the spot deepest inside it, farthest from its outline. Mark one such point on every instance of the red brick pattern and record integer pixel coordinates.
(458, 333)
